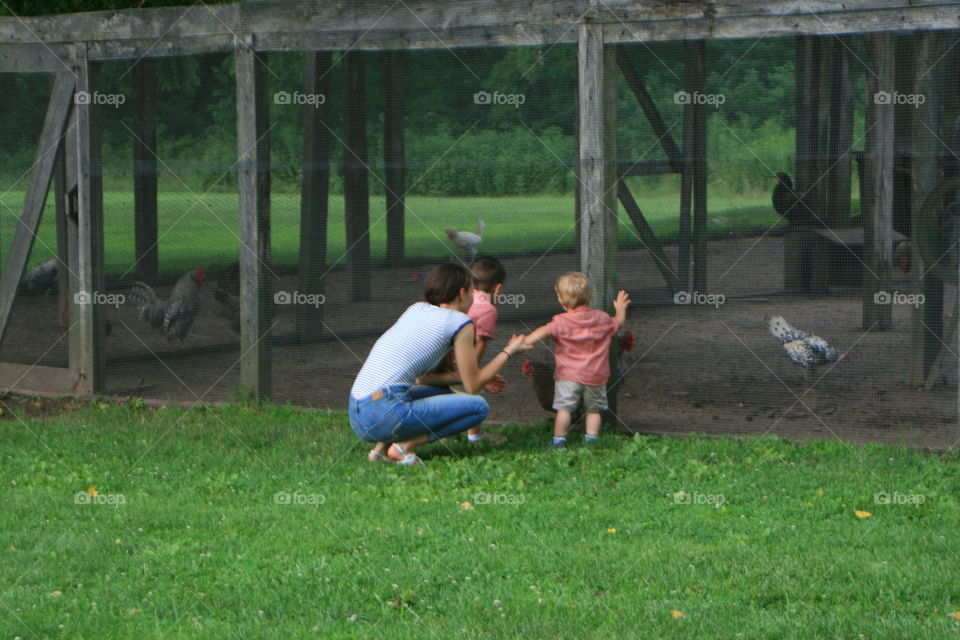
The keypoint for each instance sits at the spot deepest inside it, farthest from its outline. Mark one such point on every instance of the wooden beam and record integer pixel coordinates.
(36, 195)
(356, 189)
(926, 332)
(699, 159)
(90, 283)
(660, 129)
(393, 153)
(647, 237)
(303, 25)
(145, 170)
(878, 167)
(315, 190)
(38, 379)
(253, 177)
(61, 225)
(34, 57)
(71, 279)
(685, 235)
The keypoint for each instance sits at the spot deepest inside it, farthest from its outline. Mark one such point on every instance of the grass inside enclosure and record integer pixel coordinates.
(202, 229)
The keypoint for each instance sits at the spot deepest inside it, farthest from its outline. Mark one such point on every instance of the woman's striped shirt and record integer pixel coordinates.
(414, 345)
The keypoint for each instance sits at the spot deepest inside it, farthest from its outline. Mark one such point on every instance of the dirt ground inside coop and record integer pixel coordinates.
(700, 369)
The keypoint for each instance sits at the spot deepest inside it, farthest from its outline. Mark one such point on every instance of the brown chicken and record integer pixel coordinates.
(542, 375)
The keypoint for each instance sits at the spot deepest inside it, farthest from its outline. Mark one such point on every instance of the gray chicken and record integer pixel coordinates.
(176, 314)
(41, 279)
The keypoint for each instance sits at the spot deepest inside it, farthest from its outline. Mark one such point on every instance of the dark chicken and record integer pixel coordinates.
(788, 204)
(176, 314)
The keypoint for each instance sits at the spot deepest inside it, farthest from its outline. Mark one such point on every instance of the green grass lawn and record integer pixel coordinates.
(250, 522)
(201, 229)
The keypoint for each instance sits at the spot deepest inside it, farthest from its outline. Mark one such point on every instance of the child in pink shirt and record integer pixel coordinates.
(582, 336)
(489, 275)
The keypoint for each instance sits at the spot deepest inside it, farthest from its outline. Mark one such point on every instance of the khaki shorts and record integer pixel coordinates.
(567, 396)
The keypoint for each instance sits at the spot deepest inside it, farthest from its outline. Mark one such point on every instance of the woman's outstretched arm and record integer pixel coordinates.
(472, 377)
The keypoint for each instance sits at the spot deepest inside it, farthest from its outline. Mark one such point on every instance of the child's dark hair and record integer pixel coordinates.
(444, 282)
(488, 273)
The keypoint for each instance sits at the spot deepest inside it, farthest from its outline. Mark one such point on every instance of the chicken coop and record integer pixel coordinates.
(204, 201)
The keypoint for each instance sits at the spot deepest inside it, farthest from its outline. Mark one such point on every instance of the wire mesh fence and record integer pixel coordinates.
(488, 165)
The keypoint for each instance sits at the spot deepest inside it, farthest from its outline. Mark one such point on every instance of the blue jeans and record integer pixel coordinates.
(405, 412)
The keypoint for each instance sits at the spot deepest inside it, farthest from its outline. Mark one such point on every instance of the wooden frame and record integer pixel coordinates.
(42, 43)
(73, 44)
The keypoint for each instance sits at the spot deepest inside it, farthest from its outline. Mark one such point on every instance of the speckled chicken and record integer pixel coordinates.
(807, 350)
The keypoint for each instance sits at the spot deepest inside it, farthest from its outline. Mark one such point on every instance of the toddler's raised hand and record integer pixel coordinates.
(622, 301)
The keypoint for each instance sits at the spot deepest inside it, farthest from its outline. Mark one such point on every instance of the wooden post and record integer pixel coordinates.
(36, 195)
(597, 74)
(90, 280)
(699, 54)
(798, 243)
(926, 319)
(577, 173)
(820, 252)
(597, 164)
(315, 189)
(145, 169)
(841, 134)
(356, 193)
(686, 179)
(878, 165)
(253, 169)
(393, 154)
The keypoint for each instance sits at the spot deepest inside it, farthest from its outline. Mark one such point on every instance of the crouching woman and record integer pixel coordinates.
(399, 400)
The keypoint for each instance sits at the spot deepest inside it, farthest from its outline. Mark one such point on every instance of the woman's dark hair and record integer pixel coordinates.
(444, 282)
